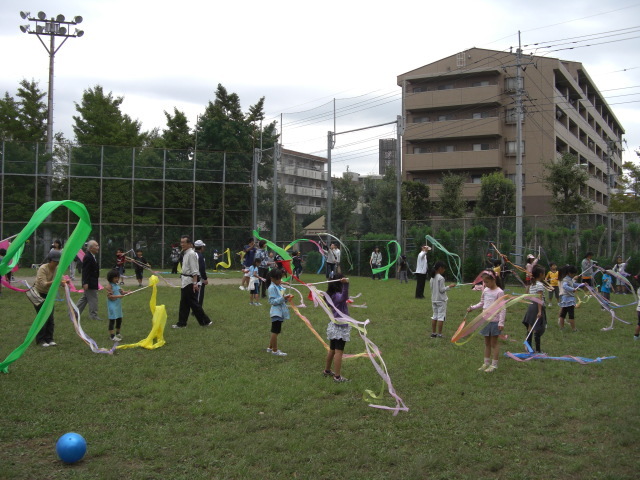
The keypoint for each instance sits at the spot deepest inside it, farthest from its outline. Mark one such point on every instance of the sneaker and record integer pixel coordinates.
(241, 287)
(258, 304)
(433, 335)
(328, 373)
(269, 350)
(439, 335)
(636, 337)
(208, 324)
(251, 303)
(52, 343)
(483, 367)
(44, 344)
(117, 337)
(178, 326)
(121, 283)
(490, 368)
(279, 353)
(340, 379)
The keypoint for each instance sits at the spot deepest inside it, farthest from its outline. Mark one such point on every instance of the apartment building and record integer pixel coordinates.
(460, 117)
(304, 179)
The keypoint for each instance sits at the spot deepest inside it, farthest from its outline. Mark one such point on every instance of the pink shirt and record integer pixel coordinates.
(486, 300)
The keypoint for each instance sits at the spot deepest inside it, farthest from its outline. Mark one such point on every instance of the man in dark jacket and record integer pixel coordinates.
(90, 276)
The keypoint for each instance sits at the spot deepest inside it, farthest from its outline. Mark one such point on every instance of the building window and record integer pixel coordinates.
(419, 89)
(421, 119)
(442, 118)
(483, 83)
(421, 150)
(445, 148)
(476, 178)
(480, 146)
(511, 116)
(478, 115)
(511, 148)
(512, 177)
(447, 86)
(511, 83)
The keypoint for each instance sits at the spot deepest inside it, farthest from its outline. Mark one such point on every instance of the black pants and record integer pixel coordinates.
(331, 268)
(422, 280)
(45, 335)
(263, 272)
(189, 302)
(201, 294)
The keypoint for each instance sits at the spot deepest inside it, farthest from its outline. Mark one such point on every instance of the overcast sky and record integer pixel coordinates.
(301, 55)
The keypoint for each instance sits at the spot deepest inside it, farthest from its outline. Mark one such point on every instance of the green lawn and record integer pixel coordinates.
(212, 403)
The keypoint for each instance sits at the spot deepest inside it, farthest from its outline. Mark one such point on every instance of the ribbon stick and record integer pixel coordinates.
(11, 287)
(155, 339)
(386, 268)
(226, 264)
(451, 258)
(76, 240)
(525, 357)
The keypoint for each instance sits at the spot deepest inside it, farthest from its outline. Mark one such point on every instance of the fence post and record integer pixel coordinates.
(464, 243)
(624, 227)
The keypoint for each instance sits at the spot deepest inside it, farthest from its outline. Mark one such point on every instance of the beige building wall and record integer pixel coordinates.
(460, 118)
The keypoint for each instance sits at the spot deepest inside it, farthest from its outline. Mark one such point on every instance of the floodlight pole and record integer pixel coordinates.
(53, 27)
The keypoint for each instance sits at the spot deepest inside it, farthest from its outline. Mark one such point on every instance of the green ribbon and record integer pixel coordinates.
(386, 268)
(73, 245)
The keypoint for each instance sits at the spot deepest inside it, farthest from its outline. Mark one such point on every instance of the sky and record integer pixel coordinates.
(301, 55)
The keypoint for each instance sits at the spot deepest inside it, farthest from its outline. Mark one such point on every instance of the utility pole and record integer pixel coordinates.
(609, 153)
(519, 207)
(400, 132)
(330, 145)
(276, 156)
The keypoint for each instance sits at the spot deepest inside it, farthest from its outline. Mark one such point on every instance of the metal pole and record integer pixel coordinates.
(2, 192)
(327, 222)
(193, 198)
(254, 193)
(224, 193)
(609, 198)
(274, 215)
(399, 132)
(164, 180)
(519, 206)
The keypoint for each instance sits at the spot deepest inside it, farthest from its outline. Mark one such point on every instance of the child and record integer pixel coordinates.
(297, 264)
(403, 267)
(114, 304)
(438, 298)
(620, 268)
(491, 330)
(567, 295)
(254, 283)
(141, 262)
(607, 285)
(279, 311)
(636, 335)
(120, 259)
(552, 279)
(536, 317)
(337, 333)
(531, 262)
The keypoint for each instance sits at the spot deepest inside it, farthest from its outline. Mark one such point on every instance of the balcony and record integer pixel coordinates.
(481, 127)
(418, 162)
(489, 95)
(304, 191)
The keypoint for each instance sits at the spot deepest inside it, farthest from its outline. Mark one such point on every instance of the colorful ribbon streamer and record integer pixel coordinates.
(226, 264)
(386, 268)
(525, 357)
(155, 339)
(451, 258)
(76, 240)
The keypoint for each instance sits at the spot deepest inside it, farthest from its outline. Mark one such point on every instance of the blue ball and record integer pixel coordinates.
(71, 447)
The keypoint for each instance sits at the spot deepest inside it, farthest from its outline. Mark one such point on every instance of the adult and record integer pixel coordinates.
(42, 284)
(421, 271)
(587, 269)
(263, 268)
(375, 262)
(330, 262)
(90, 275)
(338, 256)
(190, 286)
(202, 267)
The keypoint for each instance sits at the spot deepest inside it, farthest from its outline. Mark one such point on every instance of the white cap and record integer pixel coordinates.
(199, 243)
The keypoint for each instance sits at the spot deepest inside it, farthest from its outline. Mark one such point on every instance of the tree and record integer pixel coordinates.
(24, 119)
(566, 179)
(177, 135)
(346, 194)
(496, 196)
(452, 205)
(379, 204)
(415, 200)
(100, 121)
(627, 198)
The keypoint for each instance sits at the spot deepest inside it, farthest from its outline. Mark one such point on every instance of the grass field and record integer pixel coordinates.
(212, 403)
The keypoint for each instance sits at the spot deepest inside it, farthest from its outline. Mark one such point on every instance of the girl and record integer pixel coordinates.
(297, 264)
(567, 304)
(636, 335)
(120, 259)
(114, 304)
(279, 311)
(607, 285)
(491, 330)
(552, 279)
(620, 268)
(337, 333)
(254, 283)
(531, 262)
(438, 298)
(536, 317)
(375, 262)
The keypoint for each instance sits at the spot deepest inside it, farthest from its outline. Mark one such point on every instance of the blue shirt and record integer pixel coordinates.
(115, 306)
(279, 307)
(606, 283)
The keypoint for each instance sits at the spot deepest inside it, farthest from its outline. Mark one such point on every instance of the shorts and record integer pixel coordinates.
(276, 325)
(256, 290)
(139, 274)
(587, 281)
(338, 344)
(639, 318)
(570, 310)
(439, 311)
(491, 329)
(556, 292)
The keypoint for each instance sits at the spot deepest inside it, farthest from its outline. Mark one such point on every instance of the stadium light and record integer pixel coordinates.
(53, 27)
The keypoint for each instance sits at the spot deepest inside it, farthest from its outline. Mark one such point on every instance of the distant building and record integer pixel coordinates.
(460, 118)
(387, 154)
(305, 181)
